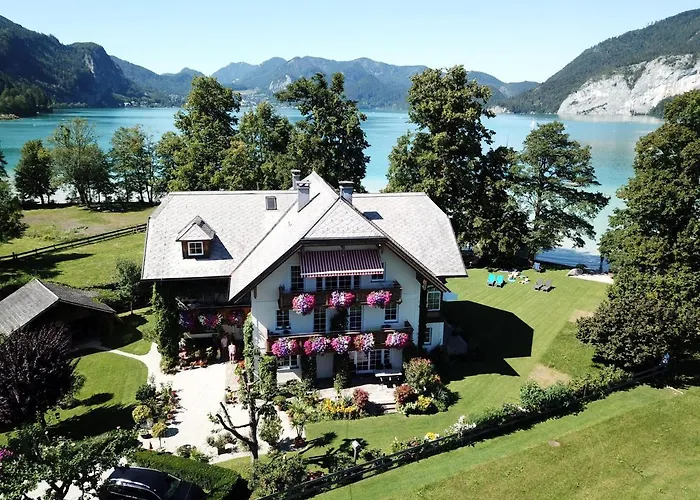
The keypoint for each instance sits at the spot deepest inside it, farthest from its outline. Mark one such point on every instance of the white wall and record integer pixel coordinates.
(438, 332)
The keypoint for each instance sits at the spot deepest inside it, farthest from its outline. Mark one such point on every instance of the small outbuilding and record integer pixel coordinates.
(38, 303)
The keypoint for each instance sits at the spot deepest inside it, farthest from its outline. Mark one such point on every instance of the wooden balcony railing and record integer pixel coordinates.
(323, 297)
(379, 335)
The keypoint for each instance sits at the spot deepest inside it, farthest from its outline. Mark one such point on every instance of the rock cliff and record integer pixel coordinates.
(635, 89)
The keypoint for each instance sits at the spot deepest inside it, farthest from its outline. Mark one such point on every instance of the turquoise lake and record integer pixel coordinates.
(612, 140)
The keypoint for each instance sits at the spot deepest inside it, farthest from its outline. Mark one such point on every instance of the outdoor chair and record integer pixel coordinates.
(547, 286)
(538, 285)
(492, 279)
(499, 281)
(538, 267)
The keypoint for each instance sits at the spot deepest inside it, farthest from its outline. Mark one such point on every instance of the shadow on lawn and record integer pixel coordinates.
(15, 272)
(96, 421)
(126, 332)
(493, 335)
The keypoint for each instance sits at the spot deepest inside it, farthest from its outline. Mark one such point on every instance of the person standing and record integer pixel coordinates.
(232, 352)
(224, 346)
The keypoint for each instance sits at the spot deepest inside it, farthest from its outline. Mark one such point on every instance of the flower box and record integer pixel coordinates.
(316, 345)
(284, 347)
(341, 300)
(397, 340)
(303, 304)
(364, 342)
(378, 298)
(341, 344)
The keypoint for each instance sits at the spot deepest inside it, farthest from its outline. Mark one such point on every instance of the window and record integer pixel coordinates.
(320, 320)
(391, 312)
(297, 279)
(372, 360)
(332, 283)
(355, 319)
(195, 248)
(270, 203)
(428, 335)
(282, 320)
(344, 282)
(380, 276)
(288, 362)
(319, 284)
(433, 300)
(356, 282)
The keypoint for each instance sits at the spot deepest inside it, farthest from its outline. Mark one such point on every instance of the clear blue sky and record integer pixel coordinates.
(511, 39)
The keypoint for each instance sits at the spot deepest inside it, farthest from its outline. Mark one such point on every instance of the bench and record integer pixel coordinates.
(389, 378)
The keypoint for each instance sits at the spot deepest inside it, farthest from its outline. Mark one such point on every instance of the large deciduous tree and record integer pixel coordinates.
(129, 285)
(37, 372)
(3, 165)
(11, 225)
(254, 394)
(80, 163)
(34, 177)
(207, 127)
(555, 177)
(329, 139)
(654, 244)
(445, 159)
(35, 456)
(134, 166)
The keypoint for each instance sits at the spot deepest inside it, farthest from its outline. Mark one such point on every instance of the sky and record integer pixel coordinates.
(513, 40)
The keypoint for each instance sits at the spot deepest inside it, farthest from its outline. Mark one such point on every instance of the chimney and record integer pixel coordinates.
(303, 194)
(296, 177)
(346, 190)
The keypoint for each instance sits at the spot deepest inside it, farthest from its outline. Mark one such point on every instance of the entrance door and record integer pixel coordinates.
(370, 361)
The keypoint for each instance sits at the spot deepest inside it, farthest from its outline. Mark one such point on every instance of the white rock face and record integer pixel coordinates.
(621, 94)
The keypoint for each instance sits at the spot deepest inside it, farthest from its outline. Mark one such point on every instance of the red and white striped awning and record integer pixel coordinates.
(320, 264)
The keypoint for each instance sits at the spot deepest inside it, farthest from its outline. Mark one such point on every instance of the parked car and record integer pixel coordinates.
(148, 484)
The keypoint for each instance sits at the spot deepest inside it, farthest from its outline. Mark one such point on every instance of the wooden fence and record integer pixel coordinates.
(440, 445)
(125, 231)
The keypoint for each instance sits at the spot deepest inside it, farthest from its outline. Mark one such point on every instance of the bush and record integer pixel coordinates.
(493, 417)
(271, 430)
(397, 445)
(342, 409)
(219, 440)
(443, 398)
(268, 376)
(420, 374)
(141, 413)
(532, 396)
(342, 374)
(404, 394)
(219, 483)
(422, 406)
(146, 394)
(280, 401)
(370, 454)
(360, 399)
(281, 472)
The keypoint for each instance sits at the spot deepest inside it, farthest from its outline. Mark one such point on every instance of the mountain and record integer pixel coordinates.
(634, 73)
(373, 84)
(174, 86)
(80, 73)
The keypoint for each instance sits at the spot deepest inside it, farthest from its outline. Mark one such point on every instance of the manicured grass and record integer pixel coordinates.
(82, 267)
(54, 225)
(568, 355)
(510, 329)
(108, 396)
(642, 443)
(128, 336)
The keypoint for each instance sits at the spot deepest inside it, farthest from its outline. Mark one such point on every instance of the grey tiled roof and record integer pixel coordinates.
(36, 297)
(197, 230)
(251, 239)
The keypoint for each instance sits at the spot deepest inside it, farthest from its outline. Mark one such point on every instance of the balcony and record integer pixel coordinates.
(323, 296)
(379, 335)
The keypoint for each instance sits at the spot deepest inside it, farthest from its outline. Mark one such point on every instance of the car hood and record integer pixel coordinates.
(188, 491)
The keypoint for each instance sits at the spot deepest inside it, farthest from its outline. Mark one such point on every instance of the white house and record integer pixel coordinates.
(230, 254)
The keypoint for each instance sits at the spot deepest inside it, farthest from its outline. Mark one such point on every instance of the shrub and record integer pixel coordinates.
(219, 440)
(268, 376)
(146, 394)
(443, 398)
(492, 417)
(460, 427)
(397, 445)
(219, 483)
(342, 409)
(141, 414)
(422, 406)
(560, 395)
(370, 454)
(281, 472)
(532, 396)
(404, 394)
(280, 401)
(342, 375)
(271, 430)
(420, 374)
(184, 451)
(360, 399)
(199, 456)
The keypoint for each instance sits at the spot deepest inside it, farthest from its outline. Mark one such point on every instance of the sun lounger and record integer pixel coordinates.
(499, 281)
(547, 286)
(492, 279)
(538, 267)
(538, 285)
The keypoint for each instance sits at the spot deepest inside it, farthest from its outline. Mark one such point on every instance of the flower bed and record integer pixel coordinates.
(397, 340)
(341, 300)
(316, 345)
(364, 342)
(303, 304)
(341, 344)
(378, 298)
(284, 347)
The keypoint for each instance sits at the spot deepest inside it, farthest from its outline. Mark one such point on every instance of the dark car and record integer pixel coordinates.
(148, 484)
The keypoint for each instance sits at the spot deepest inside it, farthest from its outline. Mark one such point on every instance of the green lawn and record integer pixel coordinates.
(512, 328)
(54, 225)
(634, 444)
(568, 355)
(128, 336)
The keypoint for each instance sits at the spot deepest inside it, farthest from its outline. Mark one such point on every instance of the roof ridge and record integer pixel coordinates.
(334, 205)
(388, 195)
(232, 192)
(46, 288)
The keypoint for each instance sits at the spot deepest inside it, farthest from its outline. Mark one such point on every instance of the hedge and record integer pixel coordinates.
(219, 483)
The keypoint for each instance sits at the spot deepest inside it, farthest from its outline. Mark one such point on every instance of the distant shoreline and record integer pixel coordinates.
(8, 116)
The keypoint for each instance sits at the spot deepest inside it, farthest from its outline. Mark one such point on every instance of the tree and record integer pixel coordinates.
(252, 394)
(34, 172)
(11, 225)
(281, 472)
(128, 281)
(37, 372)
(206, 126)
(329, 139)
(133, 161)
(165, 151)
(555, 176)
(3, 165)
(444, 158)
(79, 162)
(166, 327)
(38, 456)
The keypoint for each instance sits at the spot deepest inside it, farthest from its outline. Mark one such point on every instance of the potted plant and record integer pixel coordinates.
(378, 298)
(303, 303)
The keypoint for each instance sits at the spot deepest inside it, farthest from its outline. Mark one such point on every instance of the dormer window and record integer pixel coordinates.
(270, 203)
(195, 248)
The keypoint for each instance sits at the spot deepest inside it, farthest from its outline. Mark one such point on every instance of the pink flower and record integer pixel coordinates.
(284, 347)
(316, 345)
(364, 342)
(341, 344)
(303, 303)
(398, 339)
(378, 298)
(341, 300)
